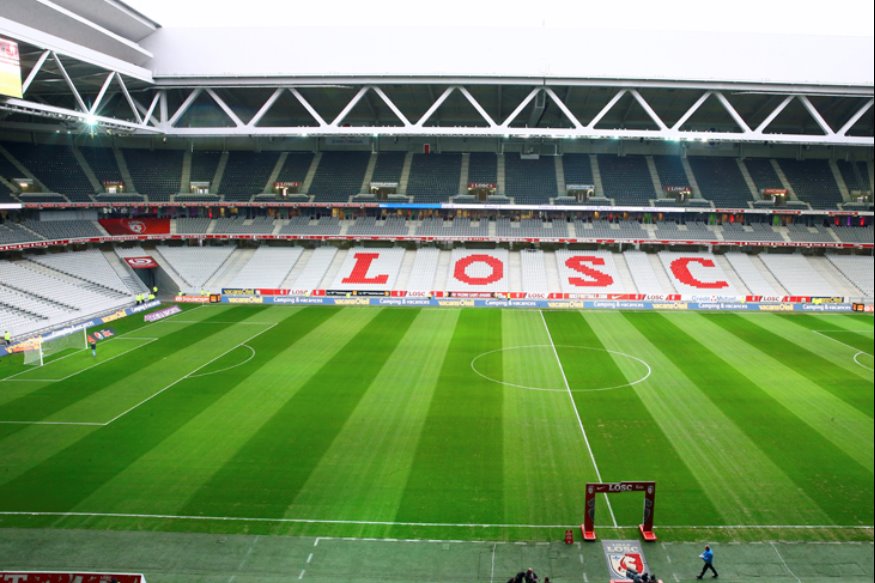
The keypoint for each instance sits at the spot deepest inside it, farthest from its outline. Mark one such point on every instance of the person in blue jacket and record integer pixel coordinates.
(708, 557)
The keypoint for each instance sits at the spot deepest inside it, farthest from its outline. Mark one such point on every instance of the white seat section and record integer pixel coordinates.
(89, 265)
(424, 270)
(858, 270)
(574, 273)
(267, 268)
(696, 273)
(797, 276)
(312, 274)
(369, 269)
(473, 270)
(534, 272)
(196, 264)
(642, 273)
(746, 268)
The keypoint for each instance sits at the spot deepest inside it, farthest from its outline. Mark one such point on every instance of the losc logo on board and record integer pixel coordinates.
(137, 227)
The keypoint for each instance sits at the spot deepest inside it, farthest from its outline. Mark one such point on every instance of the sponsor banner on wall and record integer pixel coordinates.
(144, 262)
(104, 334)
(187, 299)
(136, 226)
(161, 314)
(57, 577)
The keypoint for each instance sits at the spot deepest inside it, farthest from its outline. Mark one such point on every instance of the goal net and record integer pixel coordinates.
(45, 348)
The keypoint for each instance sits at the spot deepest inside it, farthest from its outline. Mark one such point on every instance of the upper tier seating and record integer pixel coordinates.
(752, 232)
(203, 167)
(389, 166)
(56, 167)
(11, 233)
(339, 176)
(530, 228)
(530, 181)
(240, 225)
(434, 177)
(813, 182)
(195, 225)
(295, 167)
(855, 234)
(577, 169)
(854, 176)
(5, 194)
(304, 226)
(246, 173)
(103, 164)
(803, 234)
(763, 174)
(483, 168)
(267, 268)
(74, 229)
(370, 226)
(157, 171)
(607, 230)
(382, 272)
(626, 179)
(8, 170)
(721, 181)
(670, 171)
(669, 230)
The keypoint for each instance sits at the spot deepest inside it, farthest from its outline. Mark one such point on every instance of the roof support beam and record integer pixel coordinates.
(36, 69)
(855, 118)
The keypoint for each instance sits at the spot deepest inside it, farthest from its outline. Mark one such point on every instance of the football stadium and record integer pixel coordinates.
(334, 303)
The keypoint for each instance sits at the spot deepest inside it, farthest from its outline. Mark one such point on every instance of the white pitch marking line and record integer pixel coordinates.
(783, 562)
(316, 542)
(180, 379)
(576, 414)
(206, 374)
(301, 576)
(492, 570)
(387, 523)
(309, 558)
(859, 352)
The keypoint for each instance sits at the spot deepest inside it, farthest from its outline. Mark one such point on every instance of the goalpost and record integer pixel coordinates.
(44, 348)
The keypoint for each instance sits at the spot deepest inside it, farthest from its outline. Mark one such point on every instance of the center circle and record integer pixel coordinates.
(484, 365)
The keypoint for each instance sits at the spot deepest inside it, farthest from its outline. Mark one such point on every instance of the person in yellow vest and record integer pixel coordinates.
(151, 297)
(7, 338)
(155, 290)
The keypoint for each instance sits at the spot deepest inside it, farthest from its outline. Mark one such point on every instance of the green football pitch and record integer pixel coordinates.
(447, 424)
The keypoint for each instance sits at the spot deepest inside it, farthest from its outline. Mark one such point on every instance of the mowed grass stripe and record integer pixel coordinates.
(148, 368)
(851, 385)
(164, 478)
(844, 330)
(363, 473)
(764, 472)
(627, 441)
(457, 472)
(776, 407)
(60, 482)
(268, 471)
(546, 461)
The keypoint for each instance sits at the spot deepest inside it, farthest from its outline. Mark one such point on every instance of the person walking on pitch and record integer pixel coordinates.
(707, 556)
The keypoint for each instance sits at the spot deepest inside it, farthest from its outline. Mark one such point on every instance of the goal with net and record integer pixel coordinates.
(44, 348)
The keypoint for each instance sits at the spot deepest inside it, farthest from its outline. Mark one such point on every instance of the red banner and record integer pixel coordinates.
(136, 226)
(141, 262)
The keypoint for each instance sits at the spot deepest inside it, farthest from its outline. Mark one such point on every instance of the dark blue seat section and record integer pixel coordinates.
(530, 181)
(434, 177)
(626, 179)
(56, 167)
(339, 176)
(721, 181)
(154, 171)
(246, 174)
(389, 167)
(812, 181)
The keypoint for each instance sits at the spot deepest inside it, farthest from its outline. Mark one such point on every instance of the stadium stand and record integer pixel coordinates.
(422, 275)
(860, 271)
(434, 177)
(483, 168)
(670, 171)
(804, 234)
(194, 265)
(854, 176)
(203, 168)
(90, 266)
(304, 226)
(11, 233)
(267, 268)
(370, 226)
(577, 169)
(241, 225)
(753, 274)
(72, 229)
(478, 271)
(369, 269)
(5, 194)
(246, 173)
(696, 273)
(796, 274)
(603, 229)
(533, 271)
(154, 171)
(589, 272)
(194, 226)
(752, 232)
(647, 280)
(102, 163)
(315, 269)
(389, 166)
(720, 181)
(692, 231)
(295, 167)
(339, 176)
(530, 181)
(762, 173)
(813, 182)
(855, 234)
(459, 227)
(626, 179)
(529, 228)
(55, 166)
